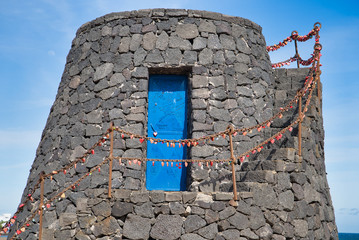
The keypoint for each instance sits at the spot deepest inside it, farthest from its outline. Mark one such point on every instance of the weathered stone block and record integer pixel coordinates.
(122, 194)
(154, 56)
(50, 220)
(102, 209)
(193, 222)
(79, 235)
(213, 42)
(149, 28)
(135, 42)
(199, 104)
(173, 196)
(93, 130)
(120, 209)
(167, 227)
(132, 184)
(176, 208)
(286, 200)
(188, 196)
(242, 46)
(227, 212)
(310, 194)
(243, 207)
(103, 71)
(173, 56)
(238, 220)
(231, 234)
(136, 227)
(227, 42)
(136, 28)
(162, 41)
(145, 210)
(219, 114)
(202, 151)
(157, 196)
(140, 72)
(283, 181)
(216, 81)
(132, 173)
(209, 232)
(199, 43)
(107, 93)
(265, 232)
(75, 82)
(139, 197)
(264, 196)
(224, 27)
(256, 218)
(205, 57)
(189, 57)
(223, 196)
(149, 41)
(67, 219)
(258, 90)
(248, 234)
(177, 42)
(106, 227)
(219, 57)
(191, 236)
(187, 31)
(199, 81)
(206, 26)
(200, 93)
(300, 228)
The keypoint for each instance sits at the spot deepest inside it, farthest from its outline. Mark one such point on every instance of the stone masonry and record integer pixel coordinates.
(282, 195)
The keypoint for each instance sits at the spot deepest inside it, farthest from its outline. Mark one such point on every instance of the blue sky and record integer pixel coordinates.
(35, 38)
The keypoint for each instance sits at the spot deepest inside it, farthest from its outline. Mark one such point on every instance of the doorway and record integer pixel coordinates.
(167, 119)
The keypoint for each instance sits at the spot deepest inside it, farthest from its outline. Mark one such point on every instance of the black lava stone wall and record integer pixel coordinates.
(282, 195)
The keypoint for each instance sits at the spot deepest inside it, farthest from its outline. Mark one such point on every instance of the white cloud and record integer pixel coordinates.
(349, 211)
(51, 53)
(5, 216)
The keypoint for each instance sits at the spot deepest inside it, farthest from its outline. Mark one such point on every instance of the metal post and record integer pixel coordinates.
(318, 47)
(41, 202)
(296, 49)
(296, 52)
(232, 163)
(111, 160)
(300, 126)
(317, 75)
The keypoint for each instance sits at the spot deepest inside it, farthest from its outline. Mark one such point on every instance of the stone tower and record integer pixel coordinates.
(229, 82)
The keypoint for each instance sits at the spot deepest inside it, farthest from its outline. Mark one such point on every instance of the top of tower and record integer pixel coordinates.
(167, 13)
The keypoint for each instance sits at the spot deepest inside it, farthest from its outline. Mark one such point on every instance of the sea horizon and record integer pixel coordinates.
(348, 236)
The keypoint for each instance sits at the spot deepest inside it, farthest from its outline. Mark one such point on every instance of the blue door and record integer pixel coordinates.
(167, 116)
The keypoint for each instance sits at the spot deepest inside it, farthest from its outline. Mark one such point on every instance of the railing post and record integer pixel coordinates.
(41, 202)
(300, 126)
(317, 48)
(296, 52)
(296, 49)
(233, 159)
(317, 75)
(111, 160)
